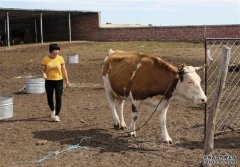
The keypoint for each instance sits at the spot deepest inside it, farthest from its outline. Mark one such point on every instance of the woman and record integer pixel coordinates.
(54, 71)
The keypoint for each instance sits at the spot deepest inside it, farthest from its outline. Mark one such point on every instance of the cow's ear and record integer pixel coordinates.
(181, 71)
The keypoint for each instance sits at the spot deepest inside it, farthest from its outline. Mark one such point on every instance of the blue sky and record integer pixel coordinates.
(155, 12)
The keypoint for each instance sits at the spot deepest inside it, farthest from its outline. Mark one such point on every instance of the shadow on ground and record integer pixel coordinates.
(223, 142)
(32, 119)
(98, 138)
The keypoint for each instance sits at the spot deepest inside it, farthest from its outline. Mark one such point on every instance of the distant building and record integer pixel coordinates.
(29, 26)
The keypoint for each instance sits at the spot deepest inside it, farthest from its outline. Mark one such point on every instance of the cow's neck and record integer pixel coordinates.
(171, 88)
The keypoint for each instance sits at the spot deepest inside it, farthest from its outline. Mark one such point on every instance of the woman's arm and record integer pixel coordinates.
(44, 72)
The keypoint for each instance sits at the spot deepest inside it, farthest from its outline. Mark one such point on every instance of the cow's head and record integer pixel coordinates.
(189, 85)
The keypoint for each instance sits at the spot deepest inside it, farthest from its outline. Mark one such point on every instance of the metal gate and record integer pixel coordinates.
(228, 111)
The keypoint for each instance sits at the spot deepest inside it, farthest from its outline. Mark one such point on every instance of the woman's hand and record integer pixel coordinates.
(44, 76)
(67, 84)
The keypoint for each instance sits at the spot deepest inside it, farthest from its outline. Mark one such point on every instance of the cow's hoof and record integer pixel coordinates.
(123, 128)
(116, 126)
(132, 134)
(168, 142)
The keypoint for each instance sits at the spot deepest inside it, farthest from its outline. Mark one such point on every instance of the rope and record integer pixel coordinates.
(139, 128)
(154, 111)
(54, 154)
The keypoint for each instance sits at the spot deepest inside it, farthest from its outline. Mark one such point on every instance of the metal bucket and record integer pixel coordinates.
(35, 85)
(72, 58)
(6, 107)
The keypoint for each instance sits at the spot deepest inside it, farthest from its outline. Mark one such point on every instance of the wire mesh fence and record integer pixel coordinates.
(228, 113)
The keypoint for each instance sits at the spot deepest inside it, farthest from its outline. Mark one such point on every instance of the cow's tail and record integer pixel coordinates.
(110, 52)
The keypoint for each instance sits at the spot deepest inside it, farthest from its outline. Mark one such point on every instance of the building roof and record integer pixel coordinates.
(26, 13)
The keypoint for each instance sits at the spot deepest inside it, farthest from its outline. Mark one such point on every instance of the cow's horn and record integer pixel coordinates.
(200, 68)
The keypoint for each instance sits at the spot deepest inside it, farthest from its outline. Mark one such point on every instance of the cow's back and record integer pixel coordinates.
(144, 76)
(120, 67)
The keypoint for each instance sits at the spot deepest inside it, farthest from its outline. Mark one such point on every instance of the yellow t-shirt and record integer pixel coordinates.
(53, 67)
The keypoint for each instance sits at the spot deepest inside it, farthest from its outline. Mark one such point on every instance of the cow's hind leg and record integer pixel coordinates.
(111, 102)
(135, 113)
(120, 114)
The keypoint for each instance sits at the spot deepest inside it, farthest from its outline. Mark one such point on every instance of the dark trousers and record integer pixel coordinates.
(57, 86)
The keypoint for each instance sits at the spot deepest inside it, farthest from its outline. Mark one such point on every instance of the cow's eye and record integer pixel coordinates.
(189, 82)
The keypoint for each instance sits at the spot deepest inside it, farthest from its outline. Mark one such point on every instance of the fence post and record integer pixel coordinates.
(69, 27)
(209, 139)
(8, 31)
(41, 27)
(209, 58)
(35, 29)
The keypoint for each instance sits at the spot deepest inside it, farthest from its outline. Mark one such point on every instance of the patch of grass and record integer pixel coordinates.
(147, 47)
(86, 48)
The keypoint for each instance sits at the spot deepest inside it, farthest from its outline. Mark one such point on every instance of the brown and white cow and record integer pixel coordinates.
(138, 77)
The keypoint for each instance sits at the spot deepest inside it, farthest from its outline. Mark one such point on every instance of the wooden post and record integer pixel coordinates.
(35, 28)
(205, 75)
(5, 26)
(8, 33)
(41, 28)
(209, 139)
(209, 58)
(69, 27)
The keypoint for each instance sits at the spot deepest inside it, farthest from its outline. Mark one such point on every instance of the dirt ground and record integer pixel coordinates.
(87, 119)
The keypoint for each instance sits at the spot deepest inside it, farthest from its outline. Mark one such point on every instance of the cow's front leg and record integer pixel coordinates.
(135, 112)
(163, 121)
